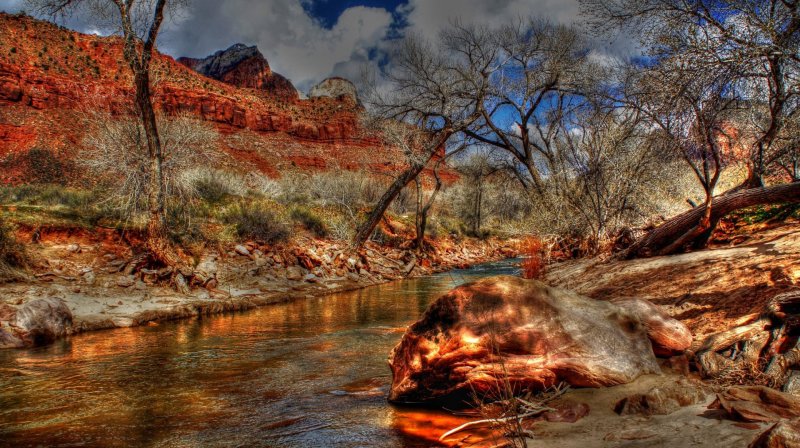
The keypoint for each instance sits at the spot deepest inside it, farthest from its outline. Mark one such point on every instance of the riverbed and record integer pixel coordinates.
(307, 373)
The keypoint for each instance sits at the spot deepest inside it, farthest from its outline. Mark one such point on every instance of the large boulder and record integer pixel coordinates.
(38, 322)
(507, 330)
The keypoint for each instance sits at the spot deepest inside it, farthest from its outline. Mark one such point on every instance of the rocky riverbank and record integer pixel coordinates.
(83, 283)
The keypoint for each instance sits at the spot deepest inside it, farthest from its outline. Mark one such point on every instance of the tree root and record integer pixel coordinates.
(752, 353)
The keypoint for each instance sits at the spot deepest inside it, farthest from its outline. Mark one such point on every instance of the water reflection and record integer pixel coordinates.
(307, 373)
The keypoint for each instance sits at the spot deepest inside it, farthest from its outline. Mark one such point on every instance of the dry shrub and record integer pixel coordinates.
(116, 154)
(13, 257)
(253, 222)
(534, 251)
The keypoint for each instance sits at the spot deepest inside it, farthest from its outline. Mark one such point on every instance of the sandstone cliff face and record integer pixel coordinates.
(244, 67)
(334, 87)
(53, 79)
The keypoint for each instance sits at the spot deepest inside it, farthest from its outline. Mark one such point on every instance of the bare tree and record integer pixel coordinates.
(139, 23)
(610, 170)
(476, 169)
(537, 84)
(423, 207)
(690, 108)
(433, 94)
(116, 155)
(758, 41)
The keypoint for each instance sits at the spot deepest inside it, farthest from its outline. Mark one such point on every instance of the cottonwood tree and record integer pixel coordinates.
(476, 169)
(116, 155)
(756, 41)
(752, 46)
(609, 173)
(139, 23)
(543, 68)
(432, 94)
(690, 109)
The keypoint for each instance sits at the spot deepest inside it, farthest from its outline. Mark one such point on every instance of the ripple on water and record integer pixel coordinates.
(305, 373)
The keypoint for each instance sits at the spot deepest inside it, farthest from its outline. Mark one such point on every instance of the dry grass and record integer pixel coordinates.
(13, 257)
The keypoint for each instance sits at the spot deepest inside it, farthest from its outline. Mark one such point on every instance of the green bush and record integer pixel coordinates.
(310, 221)
(47, 194)
(256, 223)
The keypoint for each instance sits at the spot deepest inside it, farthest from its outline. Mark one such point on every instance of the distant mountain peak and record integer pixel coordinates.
(242, 66)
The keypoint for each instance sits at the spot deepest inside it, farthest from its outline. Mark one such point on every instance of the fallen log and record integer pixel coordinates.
(674, 229)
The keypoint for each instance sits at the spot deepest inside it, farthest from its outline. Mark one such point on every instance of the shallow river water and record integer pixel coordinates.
(309, 373)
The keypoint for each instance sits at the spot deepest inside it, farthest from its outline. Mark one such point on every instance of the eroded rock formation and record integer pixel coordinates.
(527, 335)
(334, 87)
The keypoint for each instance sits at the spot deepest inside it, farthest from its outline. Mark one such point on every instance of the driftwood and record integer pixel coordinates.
(526, 409)
(757, 347)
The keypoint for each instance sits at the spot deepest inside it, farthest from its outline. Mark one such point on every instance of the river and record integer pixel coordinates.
(309, 373)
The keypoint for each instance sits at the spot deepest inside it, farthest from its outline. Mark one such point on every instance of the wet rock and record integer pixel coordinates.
(353, 277)
(294, 273)
(311, 278)
(669, 336)
(523, 331)
(785, 434)
(38, 322)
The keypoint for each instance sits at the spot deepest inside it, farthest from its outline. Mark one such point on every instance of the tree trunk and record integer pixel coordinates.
(667, 233)
(476, 218)
(368, 226)
(157, 238)
(422, 219)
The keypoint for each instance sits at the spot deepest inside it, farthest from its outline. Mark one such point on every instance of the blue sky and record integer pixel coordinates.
(309, 40)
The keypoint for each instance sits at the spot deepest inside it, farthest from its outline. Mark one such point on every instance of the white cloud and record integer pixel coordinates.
(428, 17)
(295, 44)
(302, 49)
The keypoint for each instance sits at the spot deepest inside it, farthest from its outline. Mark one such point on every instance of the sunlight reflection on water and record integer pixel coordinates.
(307, 373)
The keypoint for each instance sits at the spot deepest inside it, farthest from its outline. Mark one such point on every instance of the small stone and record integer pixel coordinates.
(74, 248)
(89, 278)
(353, 277)
(126, 281)
(122, 322)
(294, 273)
(241, 250)
(311, 278)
